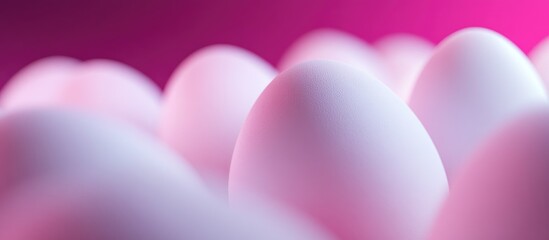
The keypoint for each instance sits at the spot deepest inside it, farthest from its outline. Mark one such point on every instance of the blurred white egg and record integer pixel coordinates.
(37, 84)
(338, 145)
(137, 208)
(206, 102)
(503, 190)
(475, 81)
(404, 56)
(540, 58)
(114, 90)
(333, 45)
(267, 215)
(43, 143)
(68, 176)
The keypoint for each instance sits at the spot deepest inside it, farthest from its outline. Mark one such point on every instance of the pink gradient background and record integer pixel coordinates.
(155, 36)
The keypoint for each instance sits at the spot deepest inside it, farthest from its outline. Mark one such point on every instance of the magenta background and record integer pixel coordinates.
(154, 36)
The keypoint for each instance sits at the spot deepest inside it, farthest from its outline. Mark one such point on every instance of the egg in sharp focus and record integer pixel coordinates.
(206, 102)
(475, 81)
(339, 146)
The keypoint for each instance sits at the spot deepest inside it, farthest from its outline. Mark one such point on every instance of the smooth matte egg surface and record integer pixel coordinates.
(502, 192)
(476, 81)
(333, 45)
(206, 103)
(338, 145)
(68, 175)
(38, 84)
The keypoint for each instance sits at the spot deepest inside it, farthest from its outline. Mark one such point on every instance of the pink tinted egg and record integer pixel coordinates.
(332, 142)
(333, 45)
(475, 81)
(540, 58)
(206, 102)
(503, 190)
(38, 84)
(114, 90)
(404, 56)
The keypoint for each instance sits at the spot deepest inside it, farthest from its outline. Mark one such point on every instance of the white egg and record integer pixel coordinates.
(338, 145)
(333, 45)
(267, 216)
(43, 143)
(68, 176)
(404, 56)
(540, 58)
(109, 210)
(475, 81)
(38, 84)
(206, 102)
(113, 90)
(503, 190)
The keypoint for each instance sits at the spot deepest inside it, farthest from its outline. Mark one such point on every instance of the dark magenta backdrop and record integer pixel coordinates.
(154, 36)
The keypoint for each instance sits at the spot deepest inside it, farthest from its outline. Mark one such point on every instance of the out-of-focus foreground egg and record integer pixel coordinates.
(475, 81)
(38, 84)
(404, 56)
(540, 58)
(333, 45)
(115, 90)
(66, 176)
(503, 191)
(338, 145)
(206, 103)
(109, 209)
(42, 143)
